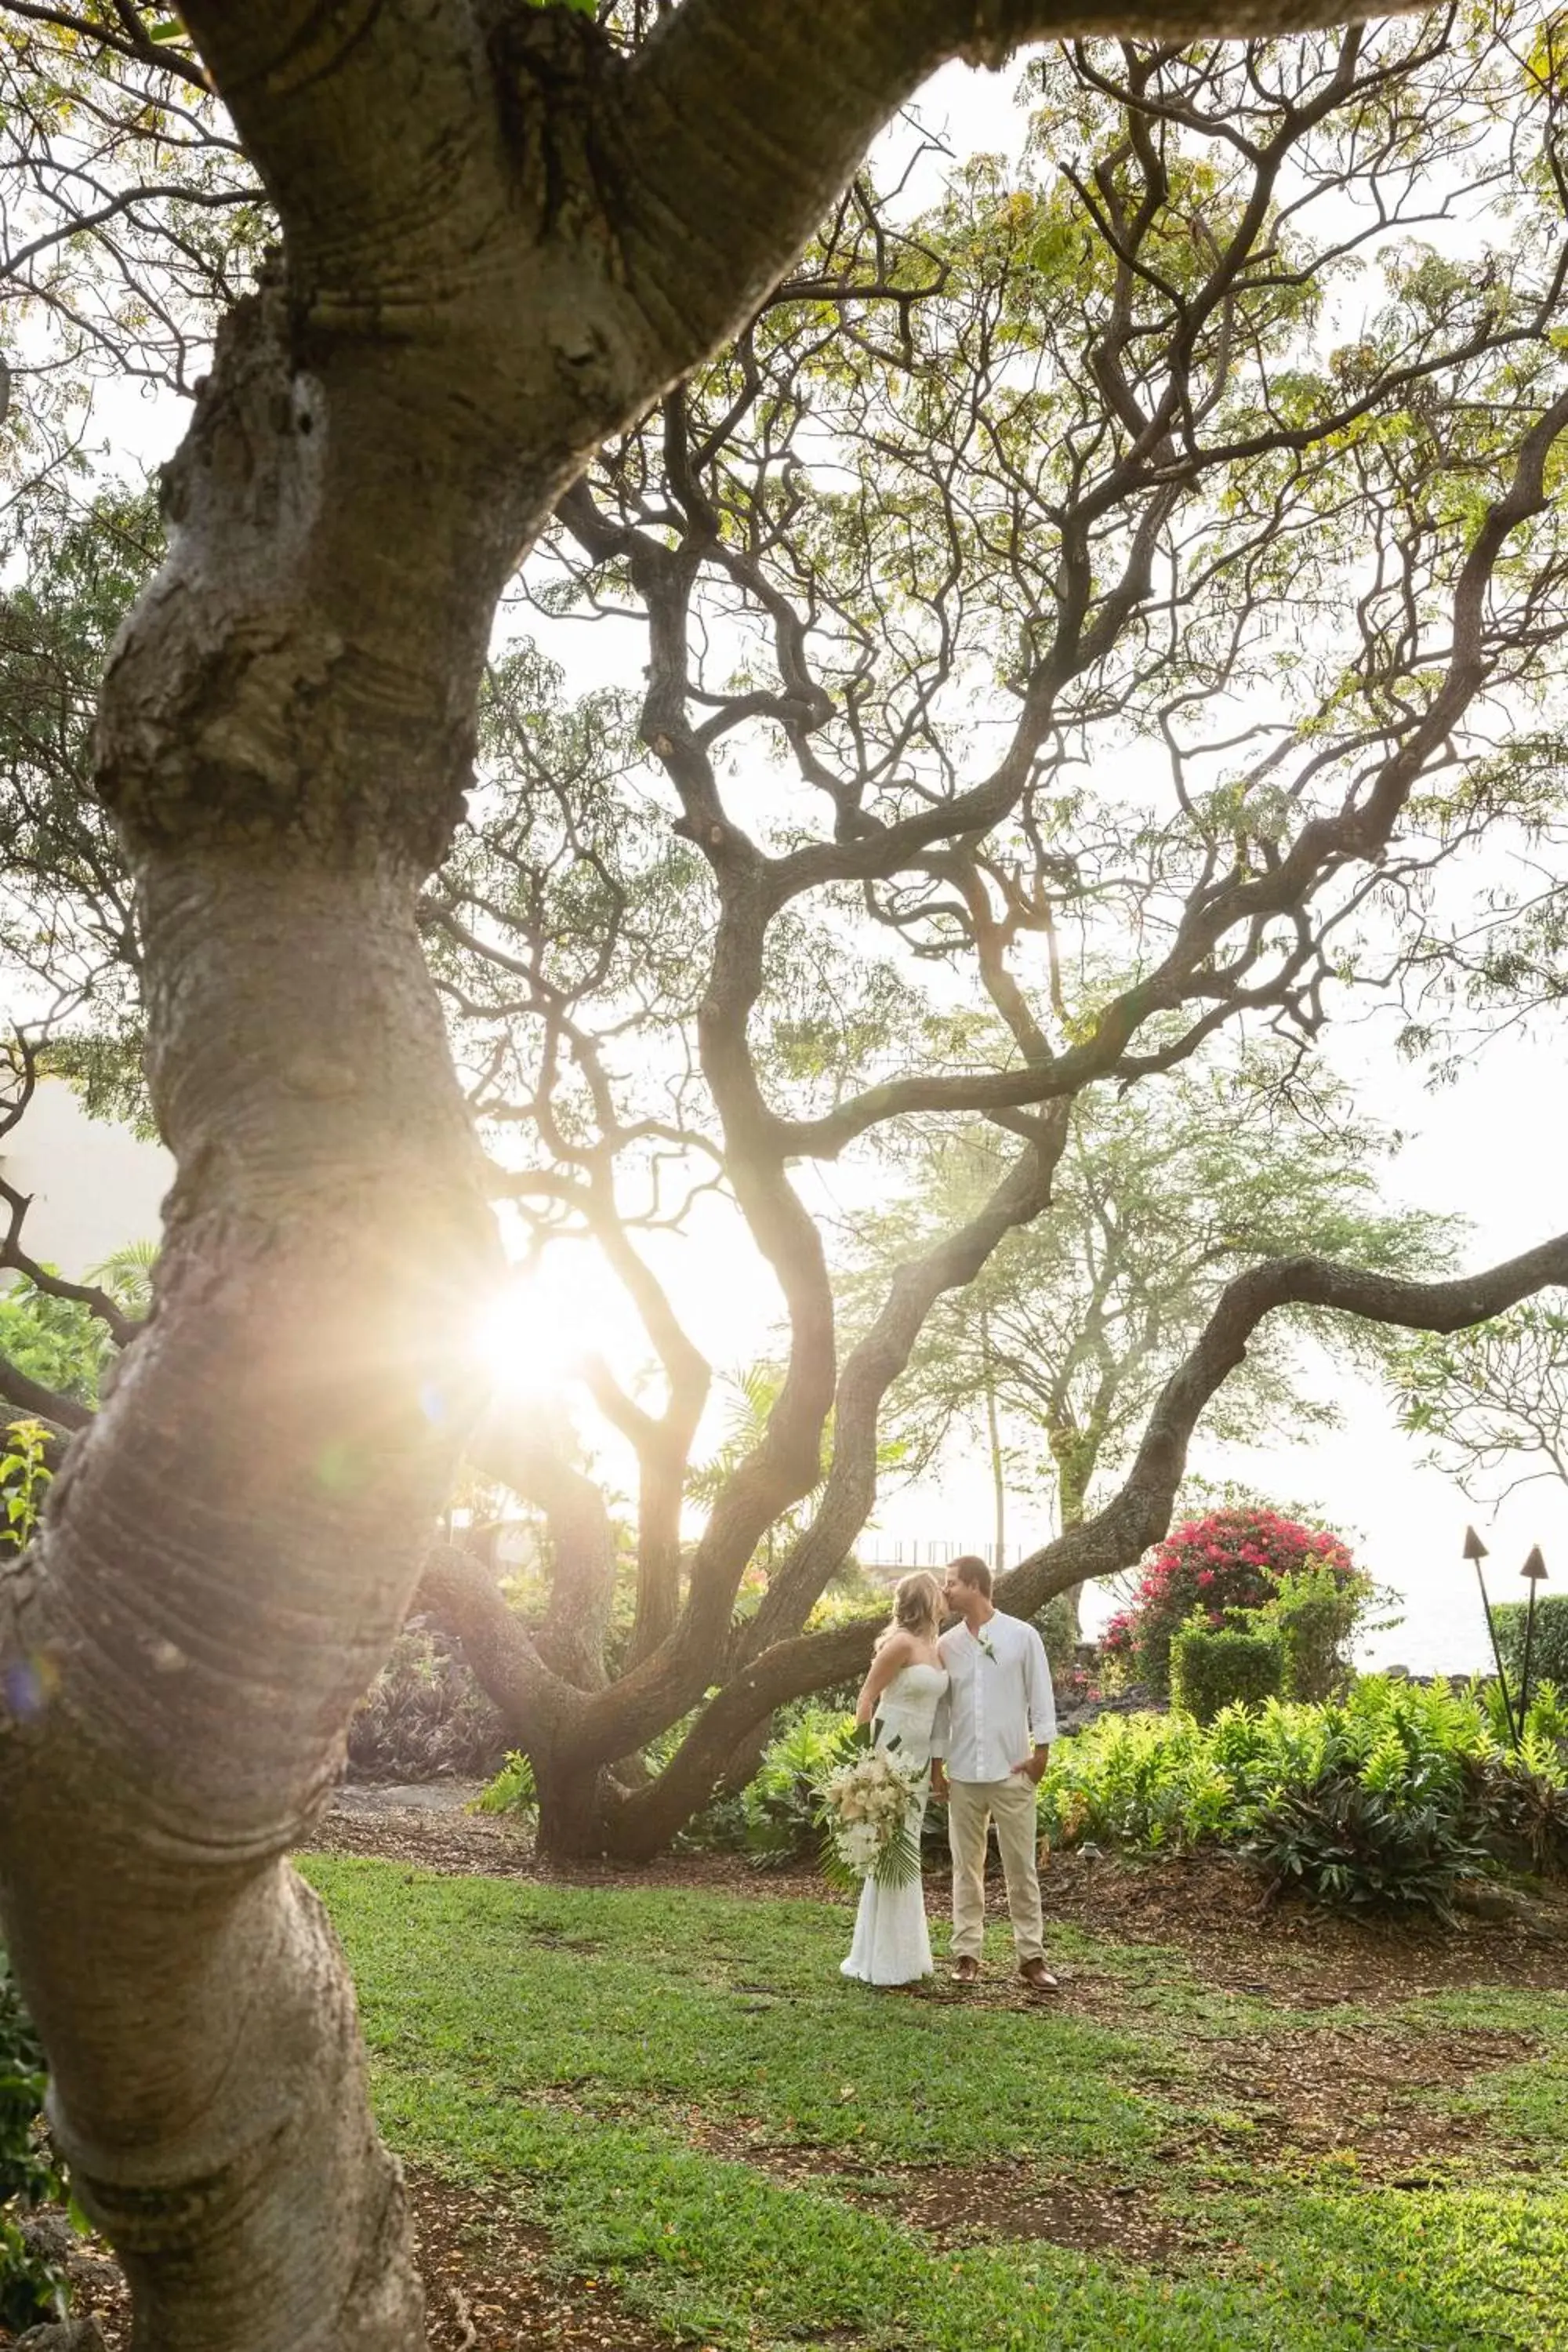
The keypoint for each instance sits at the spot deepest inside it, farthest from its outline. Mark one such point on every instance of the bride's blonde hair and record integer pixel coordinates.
(917, 1607)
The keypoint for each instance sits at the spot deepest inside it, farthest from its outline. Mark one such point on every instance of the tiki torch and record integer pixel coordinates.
(1476, 1549)
(1534, 1570)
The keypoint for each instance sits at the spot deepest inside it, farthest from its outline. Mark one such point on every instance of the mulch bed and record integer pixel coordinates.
(1361, 2089)
(487, 2287)
(1296, 2099)
(488, 2284)
(448, 1837)
(961, 2205)
(1211, 1909)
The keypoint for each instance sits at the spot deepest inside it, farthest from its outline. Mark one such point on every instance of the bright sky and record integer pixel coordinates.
(1488, 1146)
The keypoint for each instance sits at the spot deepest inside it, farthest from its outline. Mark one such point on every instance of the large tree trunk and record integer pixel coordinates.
(572, 1791)
(994, 1446)
(227, 1558)
(229, 1549)
(1075, 1453)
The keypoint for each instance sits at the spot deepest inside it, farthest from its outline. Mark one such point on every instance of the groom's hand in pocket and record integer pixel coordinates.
(1033, 1766)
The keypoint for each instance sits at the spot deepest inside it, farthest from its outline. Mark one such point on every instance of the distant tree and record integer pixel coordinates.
(1055, 1353)
(1493, 1401)
(1095, 497)
(68, 932)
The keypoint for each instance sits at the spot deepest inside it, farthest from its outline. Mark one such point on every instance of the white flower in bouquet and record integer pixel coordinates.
(864, 1808)
(859, 1846)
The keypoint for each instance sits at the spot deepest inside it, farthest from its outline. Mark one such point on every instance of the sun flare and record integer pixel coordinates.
(528, 1341)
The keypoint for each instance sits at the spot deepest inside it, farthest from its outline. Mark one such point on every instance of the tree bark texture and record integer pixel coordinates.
(501, 240)
(229, 1550)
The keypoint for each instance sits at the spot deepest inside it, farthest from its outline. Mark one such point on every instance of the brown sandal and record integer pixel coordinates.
(965, 1970)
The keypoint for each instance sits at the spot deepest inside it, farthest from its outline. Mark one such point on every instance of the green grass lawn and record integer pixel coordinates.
(681, 2087)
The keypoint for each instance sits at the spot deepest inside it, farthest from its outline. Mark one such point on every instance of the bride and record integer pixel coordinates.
(901, 1695)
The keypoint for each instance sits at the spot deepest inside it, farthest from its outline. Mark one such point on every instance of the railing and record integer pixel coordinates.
(901, 1557)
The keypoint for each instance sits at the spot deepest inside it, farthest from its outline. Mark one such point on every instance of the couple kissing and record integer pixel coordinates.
(973, 1710)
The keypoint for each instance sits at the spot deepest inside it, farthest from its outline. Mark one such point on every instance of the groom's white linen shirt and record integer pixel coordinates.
(999, 1705)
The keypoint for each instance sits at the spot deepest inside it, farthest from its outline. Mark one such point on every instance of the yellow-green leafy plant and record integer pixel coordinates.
(25, 1475)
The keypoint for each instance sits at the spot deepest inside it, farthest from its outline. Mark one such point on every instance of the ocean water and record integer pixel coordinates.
(1442, 1627)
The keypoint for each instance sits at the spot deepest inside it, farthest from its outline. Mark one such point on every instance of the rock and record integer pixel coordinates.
(50, 2237)
(1077, 1714)
(406, 1796)
(1483, 1898)
(64, 2336)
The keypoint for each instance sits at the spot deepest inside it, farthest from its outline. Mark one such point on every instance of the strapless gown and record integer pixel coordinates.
(892, 1944)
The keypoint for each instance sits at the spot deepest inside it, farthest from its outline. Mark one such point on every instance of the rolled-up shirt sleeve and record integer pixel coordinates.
(1040, 1697)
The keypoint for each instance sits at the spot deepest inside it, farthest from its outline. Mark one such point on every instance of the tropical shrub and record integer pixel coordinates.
(1149, 1782)
(718, 1828)
(1059, 1626)
(32, 2287)
(1315, 1611)
(1270, 1782)
(1218, 1666)
(1354, 1849)
(424, 1718)
(25, 1474)
(56, 1341)
(1230, 1560)
(513, 1790)
(23, 2169)
(777, 1817)
(1523, 1813)
(1118, 1636)
(60, 1342)
(1549, 1650)
(779, 1806)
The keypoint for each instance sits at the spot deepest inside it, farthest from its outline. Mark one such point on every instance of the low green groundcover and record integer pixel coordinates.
(576, 2048)
(1387, 1799)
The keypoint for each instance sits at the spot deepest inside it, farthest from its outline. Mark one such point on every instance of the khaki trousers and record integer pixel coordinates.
(972, 1806)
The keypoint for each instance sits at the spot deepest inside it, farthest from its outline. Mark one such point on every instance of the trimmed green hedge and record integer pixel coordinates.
(1218, 1666)
(1549, 1657)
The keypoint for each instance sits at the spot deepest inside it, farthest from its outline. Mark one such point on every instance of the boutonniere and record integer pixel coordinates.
(984, 1642)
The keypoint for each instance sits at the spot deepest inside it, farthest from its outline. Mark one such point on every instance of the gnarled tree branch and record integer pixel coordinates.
(1114, 1538)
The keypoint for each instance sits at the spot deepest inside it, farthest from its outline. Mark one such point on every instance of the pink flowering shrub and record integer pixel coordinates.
(1232, 1560)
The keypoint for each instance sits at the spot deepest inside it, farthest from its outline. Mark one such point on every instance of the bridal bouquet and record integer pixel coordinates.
(864, 1810)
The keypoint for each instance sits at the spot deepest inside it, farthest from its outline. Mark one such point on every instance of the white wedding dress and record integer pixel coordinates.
(891, 1943)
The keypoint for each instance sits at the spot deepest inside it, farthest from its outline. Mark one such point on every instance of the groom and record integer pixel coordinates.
(990, 1745)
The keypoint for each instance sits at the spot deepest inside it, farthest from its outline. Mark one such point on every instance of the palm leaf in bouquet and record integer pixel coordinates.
(863, 1808)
